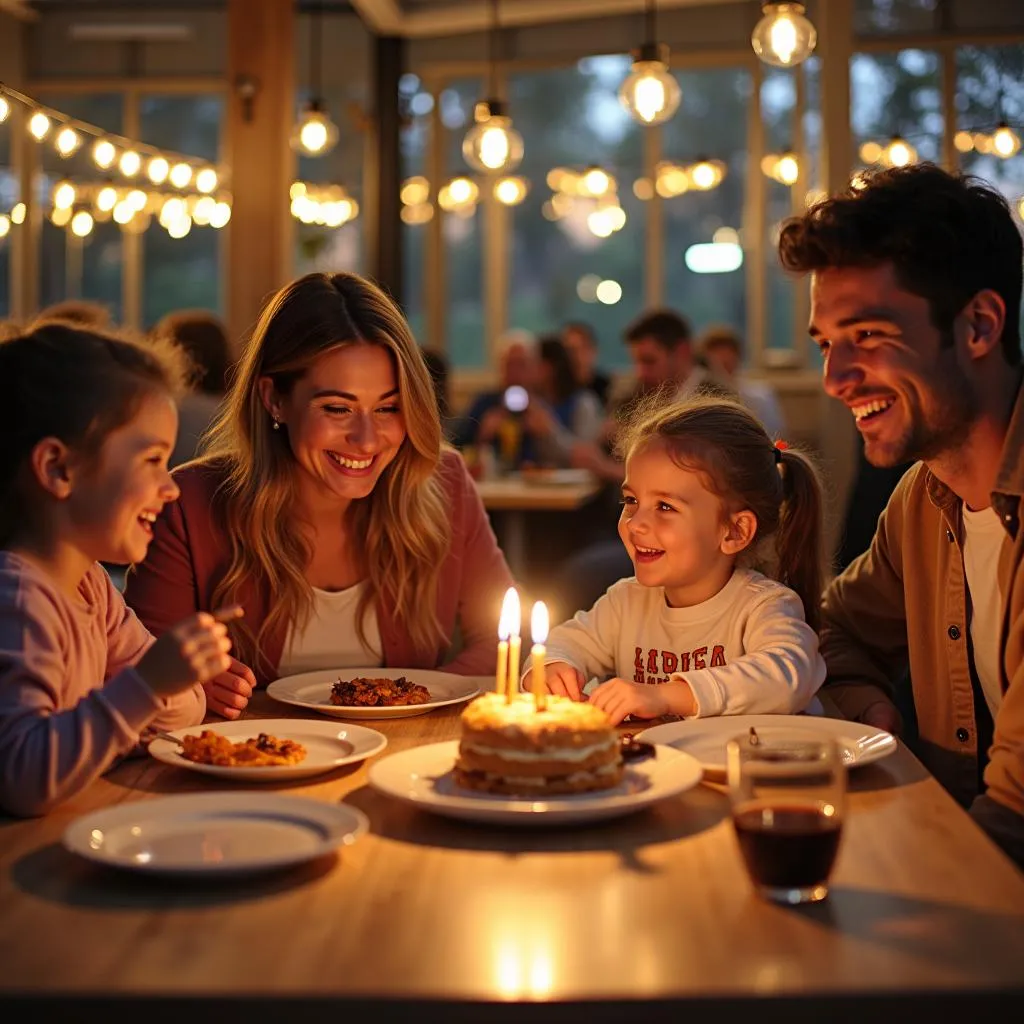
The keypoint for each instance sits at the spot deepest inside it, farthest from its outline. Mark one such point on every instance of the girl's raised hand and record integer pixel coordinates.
(193, 651)
(561, 679)
(618, 698)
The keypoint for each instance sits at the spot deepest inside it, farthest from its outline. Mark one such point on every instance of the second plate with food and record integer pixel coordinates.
(312, 690)
(424, 777)
(326, 746)
(705, 738)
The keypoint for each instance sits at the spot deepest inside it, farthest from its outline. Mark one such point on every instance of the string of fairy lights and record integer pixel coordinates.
(141, 183)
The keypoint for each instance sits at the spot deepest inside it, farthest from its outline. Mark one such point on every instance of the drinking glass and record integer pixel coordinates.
(787, 795)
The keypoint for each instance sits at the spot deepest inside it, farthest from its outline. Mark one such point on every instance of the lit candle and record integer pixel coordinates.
(539, 633)
(504, 630)
(514, 645)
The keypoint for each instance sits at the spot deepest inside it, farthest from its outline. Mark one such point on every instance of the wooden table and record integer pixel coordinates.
(515, 497)
(438, 918)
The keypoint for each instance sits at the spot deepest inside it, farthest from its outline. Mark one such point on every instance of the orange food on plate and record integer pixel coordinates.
(263, 751)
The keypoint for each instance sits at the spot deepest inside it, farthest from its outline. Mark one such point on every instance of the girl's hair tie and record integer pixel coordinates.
(778, 448)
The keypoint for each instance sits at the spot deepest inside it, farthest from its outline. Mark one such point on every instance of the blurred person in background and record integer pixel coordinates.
(581, 344)
(721, 349)
(205, 341)
(514, 420)
(577, 408)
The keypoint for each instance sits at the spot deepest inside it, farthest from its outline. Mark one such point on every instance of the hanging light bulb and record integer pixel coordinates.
(157, 169)
(784, 36)
(104, 154)
(314, 134)
(39, 125)
(1005, 141)
(130, 163)
(81, 223)
(650, 91)
(5, 109)
(899, 153)
(67, 141)
(492, 145)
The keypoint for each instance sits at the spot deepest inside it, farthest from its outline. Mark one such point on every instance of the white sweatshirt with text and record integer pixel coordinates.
(745, 651)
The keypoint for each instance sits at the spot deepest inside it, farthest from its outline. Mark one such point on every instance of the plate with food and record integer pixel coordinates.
(706, 738)
(196, 834)
(267, 750)
(517, 763)
(376, 692)
(427, 778)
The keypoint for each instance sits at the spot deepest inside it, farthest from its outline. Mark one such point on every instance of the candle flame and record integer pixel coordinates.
(539, 622)
(508, 624)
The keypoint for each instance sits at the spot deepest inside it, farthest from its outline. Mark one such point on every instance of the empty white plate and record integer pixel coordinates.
(423, 777)
(313, 690)
(705, 738)
(328, 746)
(214, 833)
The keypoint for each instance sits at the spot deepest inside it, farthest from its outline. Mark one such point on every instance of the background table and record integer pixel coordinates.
(437, 918)
(515, 497)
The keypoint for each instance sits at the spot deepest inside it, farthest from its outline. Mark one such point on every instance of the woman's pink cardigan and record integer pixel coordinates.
(190, 553)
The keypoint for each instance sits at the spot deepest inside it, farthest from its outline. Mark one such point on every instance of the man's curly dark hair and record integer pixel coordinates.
(948, 237)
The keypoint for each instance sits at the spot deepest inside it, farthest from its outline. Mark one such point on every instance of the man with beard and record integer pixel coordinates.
(915, 300)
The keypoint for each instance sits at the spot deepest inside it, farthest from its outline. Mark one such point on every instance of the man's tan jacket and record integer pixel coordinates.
(904, 603)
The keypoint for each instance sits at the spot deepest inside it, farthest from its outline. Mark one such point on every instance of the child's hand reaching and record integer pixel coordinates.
(193, 651)
(619, 698)
(561, 679)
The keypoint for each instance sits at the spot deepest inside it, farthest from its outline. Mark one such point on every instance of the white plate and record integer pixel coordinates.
(705, 738)
(328, 746)
(423, 777)
(313, 690)
(214, 833)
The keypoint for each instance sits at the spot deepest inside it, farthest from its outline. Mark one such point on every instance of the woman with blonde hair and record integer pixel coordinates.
(328, 505)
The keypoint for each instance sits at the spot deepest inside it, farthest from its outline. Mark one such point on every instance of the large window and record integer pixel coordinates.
(565, 266)
(896, 94)
(337, 46)
(711, 124)
(463, 234)
(72, 267)
(417, 103)
(990, 90)
(181, 273)
(778, 115)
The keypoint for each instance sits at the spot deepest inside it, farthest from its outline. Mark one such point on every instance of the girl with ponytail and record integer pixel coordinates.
(724, 529)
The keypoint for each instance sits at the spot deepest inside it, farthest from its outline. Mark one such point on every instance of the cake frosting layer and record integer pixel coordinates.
(510, 747)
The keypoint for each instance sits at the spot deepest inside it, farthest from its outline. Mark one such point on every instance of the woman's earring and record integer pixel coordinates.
(277, 423)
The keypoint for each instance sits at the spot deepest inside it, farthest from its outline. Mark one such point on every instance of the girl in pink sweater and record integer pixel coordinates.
(87, 424)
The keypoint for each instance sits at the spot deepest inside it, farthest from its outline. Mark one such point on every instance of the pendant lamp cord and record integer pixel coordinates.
(494, 55)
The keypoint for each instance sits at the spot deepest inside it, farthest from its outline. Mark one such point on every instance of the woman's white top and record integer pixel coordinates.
(329, 639)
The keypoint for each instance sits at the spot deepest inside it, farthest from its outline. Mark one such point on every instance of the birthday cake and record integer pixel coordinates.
(514, 749)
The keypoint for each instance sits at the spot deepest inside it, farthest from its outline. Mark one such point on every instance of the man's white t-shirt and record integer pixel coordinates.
(747, 650)
(329, 639)
(983, 537)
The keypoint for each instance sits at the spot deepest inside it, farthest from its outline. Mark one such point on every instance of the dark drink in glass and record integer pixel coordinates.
(787, 796)
(787, 847)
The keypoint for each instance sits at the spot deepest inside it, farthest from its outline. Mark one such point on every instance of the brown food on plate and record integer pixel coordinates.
(262, 751)
(362, 692)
